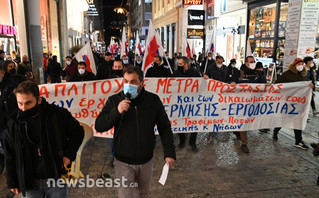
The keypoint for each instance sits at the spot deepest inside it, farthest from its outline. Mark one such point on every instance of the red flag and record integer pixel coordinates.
(85, 54)
(153, 45)
(151, 52)
(188, 51)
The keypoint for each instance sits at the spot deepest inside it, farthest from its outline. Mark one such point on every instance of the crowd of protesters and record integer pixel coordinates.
(15, 84)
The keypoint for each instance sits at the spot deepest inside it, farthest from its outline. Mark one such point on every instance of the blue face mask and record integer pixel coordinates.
(131, 89)
(138, 62)
(125, 61)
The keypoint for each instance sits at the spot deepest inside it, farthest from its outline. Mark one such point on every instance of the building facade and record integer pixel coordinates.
(45, 26)
(166, 21)
(140, 13)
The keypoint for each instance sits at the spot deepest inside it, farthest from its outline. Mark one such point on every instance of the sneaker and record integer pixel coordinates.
(244, 148)
(301, 145)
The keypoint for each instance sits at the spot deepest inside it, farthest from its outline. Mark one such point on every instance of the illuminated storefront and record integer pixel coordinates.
(8, 31)
(267, 29)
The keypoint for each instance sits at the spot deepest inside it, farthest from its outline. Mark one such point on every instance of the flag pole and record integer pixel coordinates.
(135, 58)
(206, 61)
(170, 68)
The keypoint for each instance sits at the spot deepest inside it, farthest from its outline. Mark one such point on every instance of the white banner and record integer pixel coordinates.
(195, 104)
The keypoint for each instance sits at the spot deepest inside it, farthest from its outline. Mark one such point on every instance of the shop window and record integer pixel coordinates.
(262, 30)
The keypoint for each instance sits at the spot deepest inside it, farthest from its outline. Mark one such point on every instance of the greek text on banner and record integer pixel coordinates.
(196, 104)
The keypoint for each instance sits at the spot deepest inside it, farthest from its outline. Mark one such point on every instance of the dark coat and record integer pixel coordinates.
(85, 77)
(188, 73)
(61, 135)
(220, 74)
(24, 68)
(70, 70)
(292, 75)
(233, 74)
(311, 76)
(54, 69)
(210, 64)
(8, 102)
(158, 71)
(134, 137)
(248, 75)
(105, 70)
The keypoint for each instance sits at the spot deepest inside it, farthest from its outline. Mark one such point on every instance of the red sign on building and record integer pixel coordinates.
(192, 2)
(8, 30)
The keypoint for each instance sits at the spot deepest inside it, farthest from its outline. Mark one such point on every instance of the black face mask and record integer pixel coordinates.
(13, 71)
(29, 113)
(118, 73)
(180, 68)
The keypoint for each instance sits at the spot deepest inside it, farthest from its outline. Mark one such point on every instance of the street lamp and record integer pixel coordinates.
(120, 9)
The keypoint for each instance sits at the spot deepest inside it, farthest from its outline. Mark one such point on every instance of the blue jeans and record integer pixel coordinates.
(41, 189)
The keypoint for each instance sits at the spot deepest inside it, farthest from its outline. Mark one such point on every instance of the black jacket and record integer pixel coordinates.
(158, 71)
(23, 68)
(248, 75)
(8, 102)
(189, 73)
(105, 70)
(61, 135)
(216, 73)
(134, 137)
(54, 69)
(210, 64)
(233, 74)
(85, 77)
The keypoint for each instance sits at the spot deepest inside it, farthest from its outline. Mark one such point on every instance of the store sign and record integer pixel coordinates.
(195, 33)
(196, 17)
(43, 28)
(92, 11)
(192, 2)
(8, 30)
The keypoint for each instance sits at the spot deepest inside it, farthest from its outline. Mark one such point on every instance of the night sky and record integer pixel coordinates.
(111, 16)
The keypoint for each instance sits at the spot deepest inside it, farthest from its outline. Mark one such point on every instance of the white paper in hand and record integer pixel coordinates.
(164, 175)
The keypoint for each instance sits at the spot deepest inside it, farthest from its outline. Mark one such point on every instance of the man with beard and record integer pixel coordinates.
(158, 69)
(25, 67)
(42, 140)
(117, 69)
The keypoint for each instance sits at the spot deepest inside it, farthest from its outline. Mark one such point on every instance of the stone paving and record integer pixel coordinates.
(220, 168)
